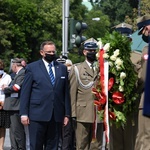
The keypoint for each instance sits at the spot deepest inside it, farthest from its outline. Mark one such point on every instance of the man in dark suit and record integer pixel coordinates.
(45, 102)
(12, 104)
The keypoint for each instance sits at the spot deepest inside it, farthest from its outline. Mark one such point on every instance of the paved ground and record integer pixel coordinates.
(7, 141)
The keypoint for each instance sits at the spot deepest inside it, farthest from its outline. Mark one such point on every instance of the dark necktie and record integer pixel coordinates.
(146, 108)
(51, 74)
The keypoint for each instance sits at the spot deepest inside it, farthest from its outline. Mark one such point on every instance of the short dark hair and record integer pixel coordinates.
(47, 43)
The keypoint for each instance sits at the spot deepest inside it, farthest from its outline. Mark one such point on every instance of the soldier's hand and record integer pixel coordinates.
(73, 119)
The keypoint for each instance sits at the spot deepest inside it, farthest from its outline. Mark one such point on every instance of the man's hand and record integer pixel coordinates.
(25, 120)
(66, 120)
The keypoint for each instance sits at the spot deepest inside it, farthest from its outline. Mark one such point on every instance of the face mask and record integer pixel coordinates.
(49, 58)
(1, 72)
(145, 38)
(91, 56)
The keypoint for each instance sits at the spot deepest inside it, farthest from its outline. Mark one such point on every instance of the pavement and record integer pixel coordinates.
(7, 141)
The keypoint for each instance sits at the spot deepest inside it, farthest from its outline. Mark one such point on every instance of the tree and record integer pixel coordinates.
(77, 10)
(116, 10)
(23, 16)
(143, 8)
(97, 29)
(32, 23)
(5, 43)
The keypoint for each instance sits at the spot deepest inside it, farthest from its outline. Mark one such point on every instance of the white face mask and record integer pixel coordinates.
(1, 72)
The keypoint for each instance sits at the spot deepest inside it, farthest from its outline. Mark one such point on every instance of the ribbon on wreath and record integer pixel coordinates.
(104, 72)
(94, 126)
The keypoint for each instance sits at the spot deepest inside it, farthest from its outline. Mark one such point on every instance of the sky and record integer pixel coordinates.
(87, 4)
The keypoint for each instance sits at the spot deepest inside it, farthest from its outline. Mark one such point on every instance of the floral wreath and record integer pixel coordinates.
(121, 80)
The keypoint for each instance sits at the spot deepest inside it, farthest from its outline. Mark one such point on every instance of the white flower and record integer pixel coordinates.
(106, 47)
(105, 55)
(122, 75)
(99, 44)
(110, 63)
(119, 62)
(113, 57)
(121, 89)
(116, 52)
(118, 67)
(117, 81)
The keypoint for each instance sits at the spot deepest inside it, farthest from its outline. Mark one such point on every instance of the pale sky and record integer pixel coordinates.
(87, 4)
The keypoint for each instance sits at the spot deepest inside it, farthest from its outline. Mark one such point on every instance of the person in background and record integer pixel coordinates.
(81, 78)
(23, 63)
(69, 64)
(5, 80)
(68, 136)
(45, 102)
(67, 141)
(143, 135)
(12, 103)
(26, 128)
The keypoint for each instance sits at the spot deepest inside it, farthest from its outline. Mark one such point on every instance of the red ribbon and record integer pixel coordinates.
(102, 77)
(94, 126)
(101, 65)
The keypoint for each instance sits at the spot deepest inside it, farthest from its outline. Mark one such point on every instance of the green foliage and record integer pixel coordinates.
(22, 15)
(77, 10)
(116, 10)
(25, 24)
(142, 9)
(99, 28)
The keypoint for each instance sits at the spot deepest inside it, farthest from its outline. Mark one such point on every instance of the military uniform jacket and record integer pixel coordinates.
(142, 74)
(81, 79)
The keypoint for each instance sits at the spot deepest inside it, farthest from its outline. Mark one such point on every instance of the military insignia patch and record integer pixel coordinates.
(145, 56)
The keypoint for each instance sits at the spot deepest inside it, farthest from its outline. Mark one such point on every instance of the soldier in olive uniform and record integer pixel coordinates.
(82, 77)
(143, 136)
(123, 138)
(141, 118)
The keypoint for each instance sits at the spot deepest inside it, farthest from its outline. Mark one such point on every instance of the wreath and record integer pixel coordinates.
(122, 79)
